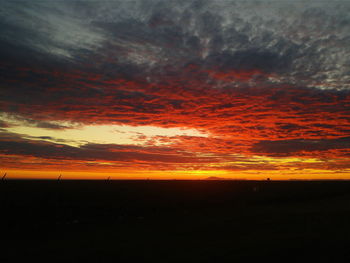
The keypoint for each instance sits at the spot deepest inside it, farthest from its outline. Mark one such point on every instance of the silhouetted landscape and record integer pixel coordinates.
(175, 221)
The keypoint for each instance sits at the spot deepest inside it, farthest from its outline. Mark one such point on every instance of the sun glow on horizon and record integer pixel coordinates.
(176, 175)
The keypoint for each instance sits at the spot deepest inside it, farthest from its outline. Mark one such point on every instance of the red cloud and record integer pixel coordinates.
(236, 116)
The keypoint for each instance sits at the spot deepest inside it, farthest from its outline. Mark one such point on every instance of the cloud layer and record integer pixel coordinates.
(260, 78)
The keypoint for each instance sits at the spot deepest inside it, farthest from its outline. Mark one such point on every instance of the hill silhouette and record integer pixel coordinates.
(221, 178)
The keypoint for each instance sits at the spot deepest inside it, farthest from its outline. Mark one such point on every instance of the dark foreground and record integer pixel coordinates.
(175, 221)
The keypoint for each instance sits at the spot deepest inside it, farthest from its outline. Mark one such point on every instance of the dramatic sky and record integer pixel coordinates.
(175, 89)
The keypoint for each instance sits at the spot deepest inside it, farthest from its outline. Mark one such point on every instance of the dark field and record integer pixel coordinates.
(175, 221)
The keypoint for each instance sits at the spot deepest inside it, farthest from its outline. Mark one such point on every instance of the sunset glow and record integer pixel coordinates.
(170, 90)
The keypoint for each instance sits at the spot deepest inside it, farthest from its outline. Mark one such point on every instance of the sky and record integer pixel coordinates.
(175, 89)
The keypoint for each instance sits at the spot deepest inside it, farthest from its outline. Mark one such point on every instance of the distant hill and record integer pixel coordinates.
(221, 178)
(214, 178)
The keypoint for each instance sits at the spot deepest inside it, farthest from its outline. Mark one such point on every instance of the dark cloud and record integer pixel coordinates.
(173, 33)
(290, 147)
(47, 125)
(4, 124)
(247, 60)
(43, 124)
(15, 120)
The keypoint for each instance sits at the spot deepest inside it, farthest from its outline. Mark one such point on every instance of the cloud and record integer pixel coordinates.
(184, 153)
(51, 28)
(16, 120)
(267, 78)
(248, 60)
(4, 124)
(12, 144)
(289, 147)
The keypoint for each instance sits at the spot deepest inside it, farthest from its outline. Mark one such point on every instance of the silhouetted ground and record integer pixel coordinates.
(175, 221)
